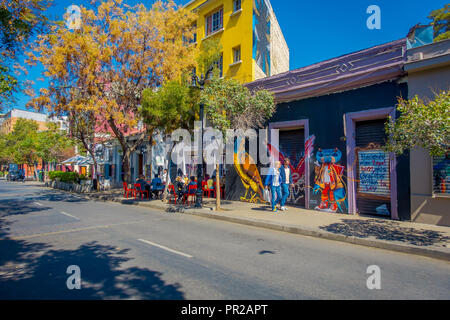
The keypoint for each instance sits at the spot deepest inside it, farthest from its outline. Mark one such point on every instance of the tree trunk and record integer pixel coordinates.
(126, 166)
(217, 187)
(150, 141)
(35, 171)
(166, 187)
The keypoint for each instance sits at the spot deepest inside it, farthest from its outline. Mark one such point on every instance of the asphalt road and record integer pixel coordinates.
(130, 252)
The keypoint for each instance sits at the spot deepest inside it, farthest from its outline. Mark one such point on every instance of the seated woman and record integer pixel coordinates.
(193, 182)
(143, 183)
(157, 187)
(180, 188)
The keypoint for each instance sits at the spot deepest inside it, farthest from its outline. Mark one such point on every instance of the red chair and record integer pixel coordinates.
(172, 194)
(206, 190)
(126, 190)
(140, 191)
(192, 190)
(222, 192)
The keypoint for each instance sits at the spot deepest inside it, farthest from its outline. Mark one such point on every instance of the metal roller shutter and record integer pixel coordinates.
(292, 146)
(372, 169)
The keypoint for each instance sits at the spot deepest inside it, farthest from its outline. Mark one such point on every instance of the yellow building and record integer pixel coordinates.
(253, 45)
(9, 119)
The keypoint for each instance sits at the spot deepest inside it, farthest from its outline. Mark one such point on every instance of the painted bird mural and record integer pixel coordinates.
(249, 174)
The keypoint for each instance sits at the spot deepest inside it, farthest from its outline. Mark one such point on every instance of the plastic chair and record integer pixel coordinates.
(172, 194)
(140, 191)
(192, 190)
(126, 190)
(206, 190)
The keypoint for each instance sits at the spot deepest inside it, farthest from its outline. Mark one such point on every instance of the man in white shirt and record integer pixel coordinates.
(285, 184)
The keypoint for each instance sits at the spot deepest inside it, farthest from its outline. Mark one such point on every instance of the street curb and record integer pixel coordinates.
(208, 213)
(380, 244)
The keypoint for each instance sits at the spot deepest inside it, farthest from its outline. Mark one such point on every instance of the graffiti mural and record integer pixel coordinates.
(329, 184)
(248, 172)
(297, 192)
(261, 35)
(441, 174)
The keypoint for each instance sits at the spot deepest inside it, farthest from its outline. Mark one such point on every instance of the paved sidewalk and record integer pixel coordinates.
(408, 237)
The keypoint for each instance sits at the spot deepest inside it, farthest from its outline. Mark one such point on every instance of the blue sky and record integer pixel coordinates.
(319, 30)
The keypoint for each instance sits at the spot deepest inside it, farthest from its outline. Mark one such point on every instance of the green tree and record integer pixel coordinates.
(441, 23)
(21, 143)
(421, 124)
(172, 106)
(53, 144)
(230, 105)
(20, 20)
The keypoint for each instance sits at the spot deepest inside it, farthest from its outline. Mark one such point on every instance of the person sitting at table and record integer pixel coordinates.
(180, 188)
(157, 186)
(193, 182)
(144, 185)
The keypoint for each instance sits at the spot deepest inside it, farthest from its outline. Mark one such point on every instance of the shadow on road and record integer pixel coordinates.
(57, 196)
(30, 270)
(11, 207)
(386, 230)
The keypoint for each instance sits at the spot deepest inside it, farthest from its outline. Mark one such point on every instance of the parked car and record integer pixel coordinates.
(16, 176)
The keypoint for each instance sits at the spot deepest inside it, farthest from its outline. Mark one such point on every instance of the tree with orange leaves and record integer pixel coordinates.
(102, 67)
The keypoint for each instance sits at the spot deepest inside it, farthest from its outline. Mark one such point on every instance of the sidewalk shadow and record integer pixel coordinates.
(386, 230)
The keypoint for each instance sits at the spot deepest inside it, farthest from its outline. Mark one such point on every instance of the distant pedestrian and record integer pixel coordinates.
(274, 180)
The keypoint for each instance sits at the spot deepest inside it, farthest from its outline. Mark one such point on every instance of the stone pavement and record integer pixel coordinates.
(403, 236)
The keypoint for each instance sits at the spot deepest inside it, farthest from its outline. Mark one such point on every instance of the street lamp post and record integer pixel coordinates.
(199, 83)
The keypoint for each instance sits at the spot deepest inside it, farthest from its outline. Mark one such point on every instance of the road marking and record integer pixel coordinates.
(71, 230)
(39, 204)
(165, 248)
(69, 215)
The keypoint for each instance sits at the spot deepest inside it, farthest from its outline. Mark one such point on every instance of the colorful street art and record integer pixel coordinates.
(441, 174)
(328, 181)
(261, 35)
(297, 192)
(249, 174)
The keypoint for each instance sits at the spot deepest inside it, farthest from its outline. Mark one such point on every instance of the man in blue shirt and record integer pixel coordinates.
(274, 180)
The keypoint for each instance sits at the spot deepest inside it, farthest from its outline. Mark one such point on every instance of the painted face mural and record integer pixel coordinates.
(328, 181)
(249, 174)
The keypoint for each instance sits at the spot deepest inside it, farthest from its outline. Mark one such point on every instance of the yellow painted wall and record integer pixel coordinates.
(237, 31)
(8, 125)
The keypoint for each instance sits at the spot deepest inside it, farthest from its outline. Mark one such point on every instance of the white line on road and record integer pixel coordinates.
(39, 204)
(69, 215)
(165, 248)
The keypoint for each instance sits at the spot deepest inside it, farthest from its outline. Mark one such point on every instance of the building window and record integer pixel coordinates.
(193, 39)
(214, 22)
(236, 54)
(236, 5)
(441, 174)
(219, 65)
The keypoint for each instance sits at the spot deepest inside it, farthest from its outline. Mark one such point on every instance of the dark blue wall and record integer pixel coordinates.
(326, 122)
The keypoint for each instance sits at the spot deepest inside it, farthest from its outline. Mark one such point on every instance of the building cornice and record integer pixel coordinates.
(359, 69)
